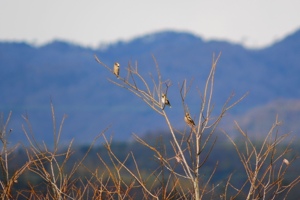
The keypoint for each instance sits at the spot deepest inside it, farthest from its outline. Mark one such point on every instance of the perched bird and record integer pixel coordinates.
(117, 69)
(165, 100)
(189, 120)
(286, 161)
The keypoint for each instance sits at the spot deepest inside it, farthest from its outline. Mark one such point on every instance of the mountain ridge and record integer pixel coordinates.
(69, 75)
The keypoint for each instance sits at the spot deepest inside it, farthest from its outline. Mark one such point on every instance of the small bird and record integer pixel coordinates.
(165, 100)
(286, 161)
(117, 69)
(189, 120)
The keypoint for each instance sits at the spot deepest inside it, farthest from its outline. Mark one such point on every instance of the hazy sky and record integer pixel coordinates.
(254, 23)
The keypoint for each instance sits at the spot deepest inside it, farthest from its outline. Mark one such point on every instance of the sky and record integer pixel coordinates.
(252, 23)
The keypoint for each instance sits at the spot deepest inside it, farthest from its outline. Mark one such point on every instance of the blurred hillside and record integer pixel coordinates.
(68, 74)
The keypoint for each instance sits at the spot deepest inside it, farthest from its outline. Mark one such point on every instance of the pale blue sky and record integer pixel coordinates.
(254, 23)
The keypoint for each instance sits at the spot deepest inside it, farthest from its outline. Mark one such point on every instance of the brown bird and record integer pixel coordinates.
(165, 100)
(189, 120)
(117, 69)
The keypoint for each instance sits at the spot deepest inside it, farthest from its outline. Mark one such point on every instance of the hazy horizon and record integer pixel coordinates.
(254, 24)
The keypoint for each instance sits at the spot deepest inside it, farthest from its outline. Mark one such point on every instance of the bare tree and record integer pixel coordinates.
(265, 166)
(9, 179)
(190, 158)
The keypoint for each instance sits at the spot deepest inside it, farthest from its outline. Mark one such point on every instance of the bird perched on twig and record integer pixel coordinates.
(117, 69)
(189, 120)
(165, 100)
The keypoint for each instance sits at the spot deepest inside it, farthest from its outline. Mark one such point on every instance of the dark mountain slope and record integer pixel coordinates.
(78, 86)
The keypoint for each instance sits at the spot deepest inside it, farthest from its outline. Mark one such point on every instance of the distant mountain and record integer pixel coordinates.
(68, 75)
(258, 121)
